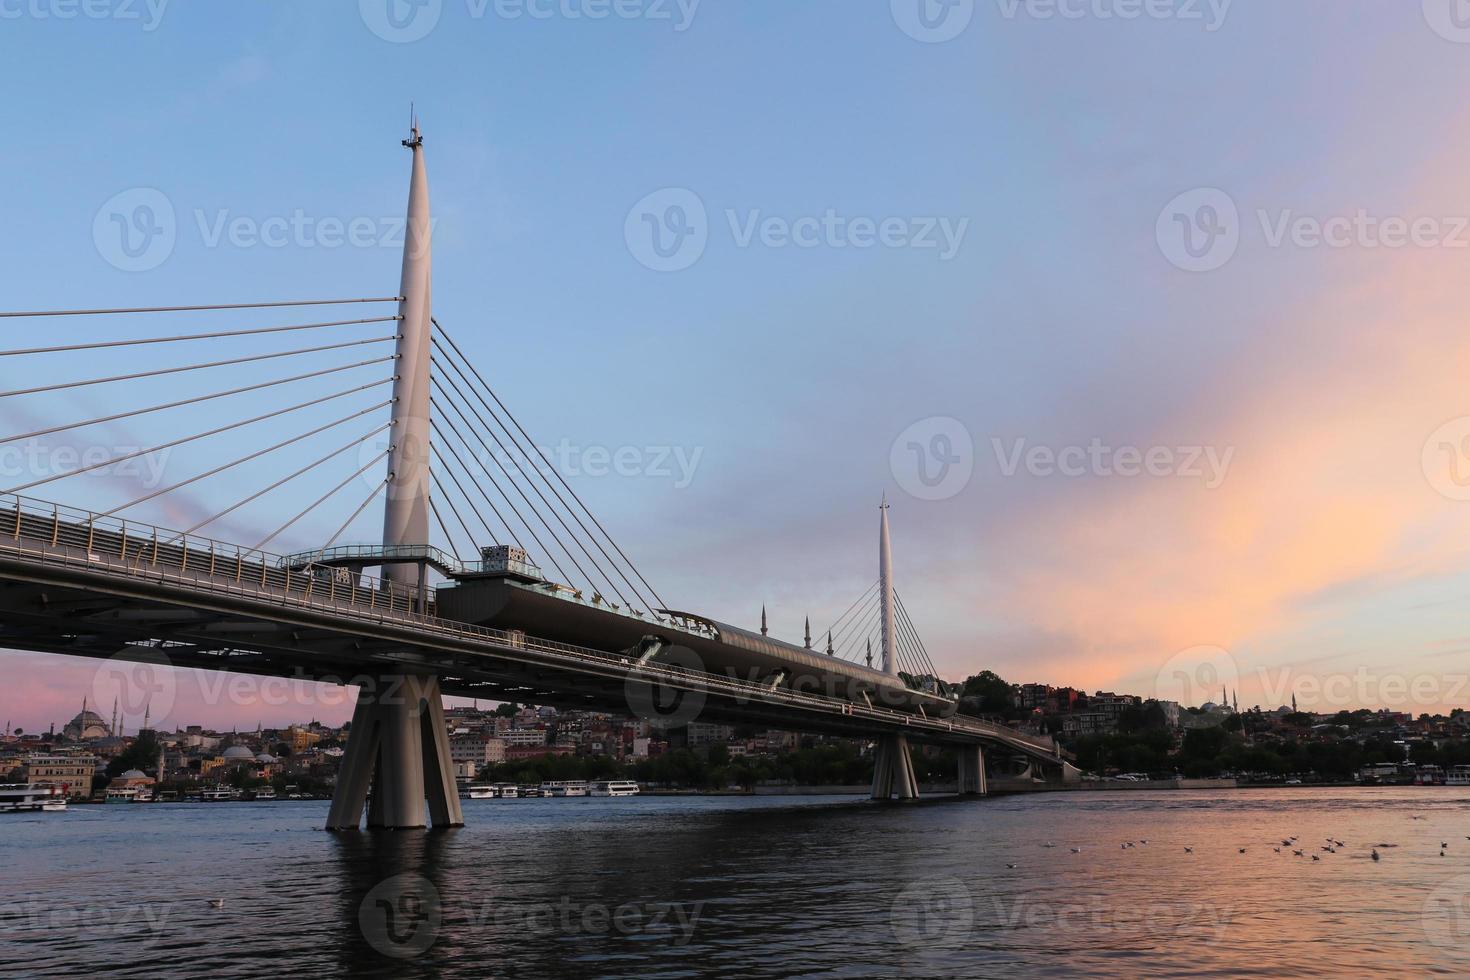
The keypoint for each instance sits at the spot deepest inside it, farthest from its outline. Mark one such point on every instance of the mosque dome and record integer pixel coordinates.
(87, 724)
(265, 758)
(134, 774)
(238, 753)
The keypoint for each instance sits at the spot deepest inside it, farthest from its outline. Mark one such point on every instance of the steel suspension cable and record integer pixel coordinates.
(194, 401)
(869, 609)
(866, 622)
(591, 516)
(245, 459)
(838, 623)
(908, 623)
(196, 367)
(448, 538)
(570, 533)
(469, 474)
(220, 306)
(360, 508)
(323, 498)
(197, 336)
(183, 441)
(287, 479)
(510, 531)
(567, 552)
(443, 491)
(610, 579)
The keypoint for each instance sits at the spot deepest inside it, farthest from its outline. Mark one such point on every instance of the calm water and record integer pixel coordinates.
(766, 887)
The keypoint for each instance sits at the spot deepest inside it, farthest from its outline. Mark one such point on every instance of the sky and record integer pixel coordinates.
(1148, 319)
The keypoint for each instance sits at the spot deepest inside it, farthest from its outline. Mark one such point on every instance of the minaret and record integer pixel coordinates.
(114, 732)
(147, 712)
(406, 513)
(870, 652)
(808, 632)
(829, 644)
(887, 616)
(764, 629)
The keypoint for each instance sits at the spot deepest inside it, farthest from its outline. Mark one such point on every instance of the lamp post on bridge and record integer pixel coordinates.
(399, 745)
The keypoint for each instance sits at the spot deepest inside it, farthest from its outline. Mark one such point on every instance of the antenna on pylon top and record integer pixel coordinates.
(415, 138)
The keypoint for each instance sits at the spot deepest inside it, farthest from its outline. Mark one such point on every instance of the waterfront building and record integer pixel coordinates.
(73, 772)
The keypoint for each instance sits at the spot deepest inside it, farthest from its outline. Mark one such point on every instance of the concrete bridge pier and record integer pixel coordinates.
(893, 769)
(399, 747)
(972, 771)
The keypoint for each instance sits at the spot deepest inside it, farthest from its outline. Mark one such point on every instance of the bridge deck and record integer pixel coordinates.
(74, 583)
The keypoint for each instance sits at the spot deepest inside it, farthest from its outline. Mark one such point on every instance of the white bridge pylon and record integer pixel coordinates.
(399, 744)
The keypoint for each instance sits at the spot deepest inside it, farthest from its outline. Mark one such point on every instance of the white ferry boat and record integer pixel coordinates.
(615, 787)
(561, 787)
(507, 791)
(122, 794)
(531, 792)
(23, 797)
(1458, 776)
(477, 792)
(266, 793)
(216, 794)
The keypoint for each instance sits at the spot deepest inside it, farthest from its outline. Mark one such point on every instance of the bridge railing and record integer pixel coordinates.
(138, 546)
(54, 534)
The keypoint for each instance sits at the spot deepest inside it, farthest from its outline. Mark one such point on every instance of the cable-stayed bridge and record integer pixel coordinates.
(490, 578)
